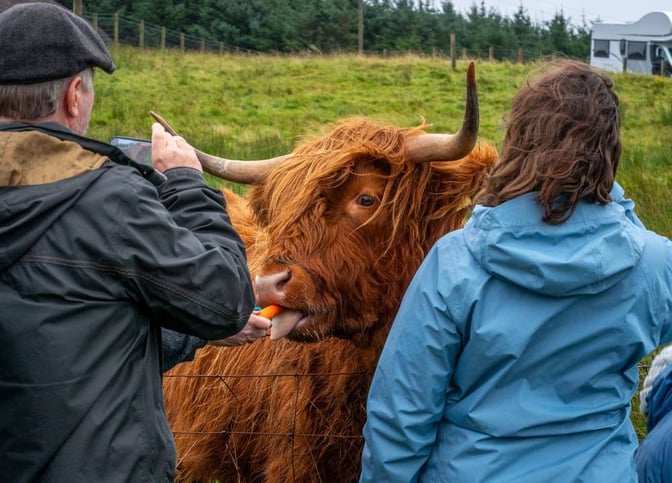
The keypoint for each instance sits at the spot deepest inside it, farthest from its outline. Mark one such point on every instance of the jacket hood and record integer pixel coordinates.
(28, 210)
(45, 170)
(587, 254)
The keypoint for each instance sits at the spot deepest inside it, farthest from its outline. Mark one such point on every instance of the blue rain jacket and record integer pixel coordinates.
(654, 456)
(513, 357)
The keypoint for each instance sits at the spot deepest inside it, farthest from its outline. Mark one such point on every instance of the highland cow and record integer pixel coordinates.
(335, 232)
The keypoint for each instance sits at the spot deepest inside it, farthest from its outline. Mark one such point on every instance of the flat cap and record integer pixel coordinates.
(42, 41)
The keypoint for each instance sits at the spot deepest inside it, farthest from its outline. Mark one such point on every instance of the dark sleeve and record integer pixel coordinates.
(659, 400)
(177, 347)
(186, 264)
(199, 208)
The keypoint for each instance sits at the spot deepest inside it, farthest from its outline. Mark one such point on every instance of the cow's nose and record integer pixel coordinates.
(271, 286)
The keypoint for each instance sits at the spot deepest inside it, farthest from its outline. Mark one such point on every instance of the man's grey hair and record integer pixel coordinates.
(28, 102)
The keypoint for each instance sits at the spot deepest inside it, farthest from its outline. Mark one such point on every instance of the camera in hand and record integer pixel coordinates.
(139, 150)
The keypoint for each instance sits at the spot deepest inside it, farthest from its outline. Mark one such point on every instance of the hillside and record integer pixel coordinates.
(251, 107)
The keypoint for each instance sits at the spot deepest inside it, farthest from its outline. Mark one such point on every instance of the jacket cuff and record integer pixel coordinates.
(183, 172)
(177, 347)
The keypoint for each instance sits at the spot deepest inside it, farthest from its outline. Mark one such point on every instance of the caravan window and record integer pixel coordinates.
(637, 50)
(600, 48)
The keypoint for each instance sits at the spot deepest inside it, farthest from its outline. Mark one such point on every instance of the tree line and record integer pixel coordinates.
(331, 26)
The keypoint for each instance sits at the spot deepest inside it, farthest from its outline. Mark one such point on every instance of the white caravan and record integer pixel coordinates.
(641, 47)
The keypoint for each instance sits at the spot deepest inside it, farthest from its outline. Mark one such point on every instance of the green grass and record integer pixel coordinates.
(251, 107)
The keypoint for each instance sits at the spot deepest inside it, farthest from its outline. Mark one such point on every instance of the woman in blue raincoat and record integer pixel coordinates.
(513, 356)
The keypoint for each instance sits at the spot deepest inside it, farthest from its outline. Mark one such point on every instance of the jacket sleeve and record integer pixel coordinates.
(653, 457)
(660, 398)
(185, 263)
(408, 393)
(177, 347)
(660, 362)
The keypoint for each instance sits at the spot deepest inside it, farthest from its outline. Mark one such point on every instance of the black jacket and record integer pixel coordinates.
(94, 260)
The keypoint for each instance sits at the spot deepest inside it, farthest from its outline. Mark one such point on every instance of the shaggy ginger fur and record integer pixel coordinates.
(350, 219)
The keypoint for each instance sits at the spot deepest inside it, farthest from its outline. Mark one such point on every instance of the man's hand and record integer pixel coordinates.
(255, 328)
(170, 151)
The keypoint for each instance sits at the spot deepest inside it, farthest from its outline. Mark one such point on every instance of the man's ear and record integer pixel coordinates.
(73, 97)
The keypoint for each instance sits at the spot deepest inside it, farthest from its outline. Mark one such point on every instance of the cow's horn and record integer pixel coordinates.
(448, 147)
(244, 172)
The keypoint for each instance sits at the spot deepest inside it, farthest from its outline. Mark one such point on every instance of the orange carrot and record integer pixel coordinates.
(271, 311)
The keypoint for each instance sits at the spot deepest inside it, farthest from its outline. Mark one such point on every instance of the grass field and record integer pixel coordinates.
(251, 107)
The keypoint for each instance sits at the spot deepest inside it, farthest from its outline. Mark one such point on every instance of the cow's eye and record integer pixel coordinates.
(366, 200)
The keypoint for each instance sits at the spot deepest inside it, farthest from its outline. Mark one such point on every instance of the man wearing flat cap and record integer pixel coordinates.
(98, 255)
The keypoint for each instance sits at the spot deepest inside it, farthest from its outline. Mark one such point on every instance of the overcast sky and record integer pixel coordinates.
(543, 10)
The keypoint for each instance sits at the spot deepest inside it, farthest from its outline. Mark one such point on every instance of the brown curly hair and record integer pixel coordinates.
(562, 141)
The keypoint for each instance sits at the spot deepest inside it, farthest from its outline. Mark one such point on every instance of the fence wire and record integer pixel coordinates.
(115, 28)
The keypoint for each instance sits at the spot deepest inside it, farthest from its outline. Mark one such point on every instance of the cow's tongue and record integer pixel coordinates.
(283, 323)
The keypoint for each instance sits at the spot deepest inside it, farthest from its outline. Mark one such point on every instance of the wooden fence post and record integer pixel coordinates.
(360, 27)
(491, 54)
(520, 56)
(141, 34)
(94, 21)
(116, 28)
(181, 42)
(453, 61)
(464, 54)
(163, 38)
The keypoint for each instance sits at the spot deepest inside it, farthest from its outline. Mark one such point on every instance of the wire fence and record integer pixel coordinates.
(115, 28)
(298, 377)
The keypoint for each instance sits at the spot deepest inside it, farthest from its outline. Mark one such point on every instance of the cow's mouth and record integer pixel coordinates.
(286, 321)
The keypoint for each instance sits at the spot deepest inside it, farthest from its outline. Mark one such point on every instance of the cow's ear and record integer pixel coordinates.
(258, 208)
(262, 218)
